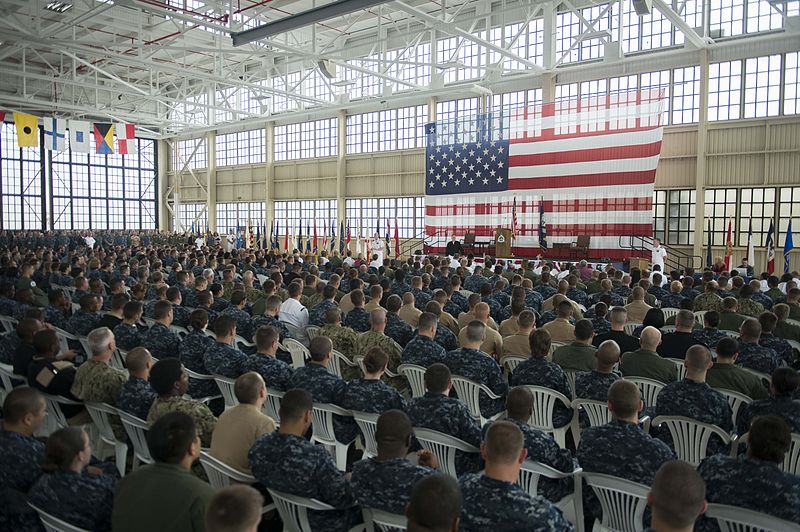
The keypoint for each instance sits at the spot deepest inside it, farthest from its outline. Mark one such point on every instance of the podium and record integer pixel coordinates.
(502, 242)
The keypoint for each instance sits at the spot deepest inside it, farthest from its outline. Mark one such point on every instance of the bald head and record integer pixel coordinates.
(650, 338)
(607, 355)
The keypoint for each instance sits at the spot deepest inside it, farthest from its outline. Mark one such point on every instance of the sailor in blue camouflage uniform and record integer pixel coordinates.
(422, 350)
(21, 457)
(78, 497)
(755, 481)
(159, 339)
(56, 313)
(768, 321)
(473, 364)
(709, 335)
(399, 286)
(436, 411)
(192, 351)
(316, 314)
(576, 294)
(600, 323)
(180, 314)
(396, 329)
(369, 394)
(693, 397)
(136, 396)
(85, 320)
(384, 482)
(474, 282)
(128, 334)
(490, 501)
(285, 461)
(358, 318)
(538, 371)
(421, 298)
(783, 388)
(540, 445)
(275, 372)
(620, 448)
(751, 354)
(7, 304)
(444, 336)
(594, 384)
(222, 358)
(236, 310)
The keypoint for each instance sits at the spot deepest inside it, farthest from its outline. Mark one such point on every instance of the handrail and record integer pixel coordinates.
(676, 259)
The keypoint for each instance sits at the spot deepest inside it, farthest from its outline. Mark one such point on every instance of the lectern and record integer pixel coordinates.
(502, 242)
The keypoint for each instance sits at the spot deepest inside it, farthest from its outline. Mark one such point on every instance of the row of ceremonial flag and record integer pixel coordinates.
(313, 240)
(55, 134)
(788, 245)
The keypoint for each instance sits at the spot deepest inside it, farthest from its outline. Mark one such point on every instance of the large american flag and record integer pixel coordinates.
(587, 166)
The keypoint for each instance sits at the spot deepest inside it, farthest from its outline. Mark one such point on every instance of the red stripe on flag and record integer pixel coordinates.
(550, 206)
(644, 177)
(552, 230)
(532, 251)
(587, 155)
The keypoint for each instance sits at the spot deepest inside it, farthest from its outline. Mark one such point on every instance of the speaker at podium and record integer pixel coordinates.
(502, 242)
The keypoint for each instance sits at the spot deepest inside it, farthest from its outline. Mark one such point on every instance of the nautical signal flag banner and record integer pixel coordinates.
(104, 138)
(55, 134)
(126, 138)
(591, 163)
(27, 130)
(79, 136)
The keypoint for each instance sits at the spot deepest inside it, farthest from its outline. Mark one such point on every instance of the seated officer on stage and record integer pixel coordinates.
(384, 482)
(494, 499)
(285, 461)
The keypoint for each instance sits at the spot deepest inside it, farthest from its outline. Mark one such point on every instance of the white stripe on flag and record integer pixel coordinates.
(642, 164)
(610, 140)
(554, 194)
(588, 119)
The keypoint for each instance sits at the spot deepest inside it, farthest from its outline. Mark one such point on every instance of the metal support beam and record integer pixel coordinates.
(677, 21)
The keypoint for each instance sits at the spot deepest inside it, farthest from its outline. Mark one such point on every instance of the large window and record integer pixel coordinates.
(391, 129)
(244, 147)
(192, 214)
(289, 215)
(20, 183)
(789, 209)
(233, 216)
(457, 120)
(92, 191)
(686, 95)
(368, 215)
(660, 214)
(184, 154)
(725, 90)
(306, 140)
(791, 101)
(762, 86)
(720, 209)
(756, 206)
(680, 227)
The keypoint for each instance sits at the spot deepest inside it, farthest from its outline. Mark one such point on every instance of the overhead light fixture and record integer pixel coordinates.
(447, 65)
(262, 97)
(343, 83)
(58, 7)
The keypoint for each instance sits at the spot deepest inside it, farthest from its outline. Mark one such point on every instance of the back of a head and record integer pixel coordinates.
(137, 359)
(519, 403)
(393, 303)
(27, 327)
(435, 504)
(320, 348)
(678, 494)
(437, 378)
(785, 382)
(118, 301)
(393, 428)
(235, 508)
(164, 374)
(45, 342)
(265, 336)
(768, 321)
(476, 331)
(684, 319)
(624, 398)
(539, 342)
(619, 316)
(377, 317)
(698, 358)
(607, 354)
(294, 404)
(726, 348)
(61, 449)
(751, 329)
(650, 338)
(198, 319)
(131, 309)
(375, 360)
(427, 321)
(769, 439)
(504, 441)
(225, 325)
(99, 339)
(711, 319)
(20, 402)
(526, 319)
(248, 387)
(161, 310)
(584, 330)
(170, 437)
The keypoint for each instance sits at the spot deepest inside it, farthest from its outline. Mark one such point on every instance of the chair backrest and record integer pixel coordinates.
(322, 422)
(182, 332)
(690, 437)
(763, 376)
(226, 388)
(531, 472)
(136, 430)
(101, 415)
(510, 362)
(597, 411)
(623, 502)
(736, 400)
(295, 331)
(312, 331)
(338, 359)
(669, 312)
(630, 327)
(54, 524)
(571, 375)
(681, 367)
(735, 519)
(650, 389)
(118, 357)
(6, 373)
(294, 510)
(469, 239)
(9, 324)
(272, 405)
(469, 392)
(699, 316)
(298, 351)
(544, 401)
(791, 460)
(382, 521)
(444, 447)
(553, 347)
(731, 334)
(583, 241)
(368, 423)
(795, 344)
(221, 474)
(243, 345)
(54, 403)
(668, 329)
(415, 376)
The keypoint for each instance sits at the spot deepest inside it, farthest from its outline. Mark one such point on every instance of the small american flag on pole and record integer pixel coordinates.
(589, 164)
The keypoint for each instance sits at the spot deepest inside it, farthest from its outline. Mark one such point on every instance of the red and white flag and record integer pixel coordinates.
(592, 163)
(126, 138)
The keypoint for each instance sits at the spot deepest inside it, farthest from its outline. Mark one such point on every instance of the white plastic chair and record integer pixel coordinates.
(271, 406)
(63, 339)
(669, 312)
(298, 351)
(378, 520)
(469, 392)
(368, 423)
(553, 347)
(544, 402)
(118, 357)
(793, 322)
(202, 377)
(415, 376)
(54, 411)
(791, 460)
(680, 365)
(630, 327)
(571, 375)
(312, 331)
(731, 334)
(294, 510)
(699, 316)
(623, 502)
(735, 519)
(690, 437)
(181, 332)
(444, 447)
(795, 345)
(243, 345)
(597, 412)
(221, 475)
(650, 389)
(6, 376)
(226, 388)
(736, 400)
(531, 472)
(100, 413)
(322, 426)
(9, 324)
(337, 359)
(668, 329)
(763, 376)
(510, 362)
(137, 429)
(54, 524)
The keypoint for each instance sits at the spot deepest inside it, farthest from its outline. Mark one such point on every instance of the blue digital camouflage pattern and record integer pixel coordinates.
(81, 499)
(82, 323)
(136, 397)
(244, 327)
(276, 373)
(479, 367)
(423, 351)
(784, 407)
(316, 314)
(398, 330)
(709, 336)
(540, 372)
(20, 466)
(225, 360)
(758, 358)
(357, 319)
(370, 396)
(386, 485)
(127, 336)
(161, 341)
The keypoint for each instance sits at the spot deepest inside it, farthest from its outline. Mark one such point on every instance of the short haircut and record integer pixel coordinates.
(726, 348)
(294, 404)
(504, 441)
(435, 503)
(393, 428)
(248, 386)
(698, 358)
(294, 289)
(234, 509)
(619, 315)
(320, 348)
(99, 339)
(27, 327)
(711, 318)
(224, 325)
(274, 302)
(781, 310)
(476, 331)
(769, 438)
(607, 354)
(377, 316)
(357, 297)
(20, 402)
(729, 303)
(45, 342)
(434, 308)
(678, 494)
(437, 378)
(768, 320)
(519, 403)
(237, 297)
(584, 330)
(61, 448)
(329, 292)
(198, 319)
(751, 328)
(375, 360)
(785, 382)
(137, 359)
(265, 335)
(118, 301)
(173, 293)
(131, 309)
(161, 309)
(564, 309)
(539, 342)
(165, 373)
(684, 319)
(171, 437)
(624, 397)
(393, 303)
(526, 319)
(427, 321)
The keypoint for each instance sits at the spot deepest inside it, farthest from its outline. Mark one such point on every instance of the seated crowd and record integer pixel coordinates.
(131, 327)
